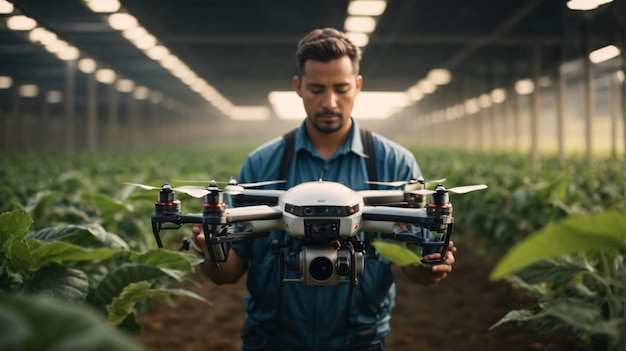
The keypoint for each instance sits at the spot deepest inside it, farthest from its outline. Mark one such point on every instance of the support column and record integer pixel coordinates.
(589, 98)
(559, 97)
(44, 138)
(515, 99)
(9, 133)
(69, 124)
(92, 112)
(132, 120)
(534, 112)
(112, 118)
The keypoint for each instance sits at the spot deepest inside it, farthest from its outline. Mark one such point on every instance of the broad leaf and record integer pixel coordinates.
(115, 281)
(531, 289)
(582, 316)
(14, 328)
(63, 283)
(605, 231)
(13, 226)
(123, 305)
(397, 253)
(44, 323)
(56, 252)
(106, 204)
(18, 254)
(85, 235)
(558, 270)
(165, 259)
(41, 201)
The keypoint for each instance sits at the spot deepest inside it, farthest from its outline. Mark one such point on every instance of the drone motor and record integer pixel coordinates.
(167, 202)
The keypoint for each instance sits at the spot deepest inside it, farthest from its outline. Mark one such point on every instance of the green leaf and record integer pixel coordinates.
(165, 259)
(44, 323)
(397, 253)
(13, 227)
(41, 201)
(18, 254)
(558, 270)
(516, 316)
(115, 281)
(604, 231)
(14, 329)
(123, 305)
(531, 289)
(106, 204)
(583, 316)
(63, 283)
(55, 252)
(86, 235)
(576, 314)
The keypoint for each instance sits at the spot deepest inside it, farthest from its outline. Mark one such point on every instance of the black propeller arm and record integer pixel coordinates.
(382, 218)
(177, 219)
(391, 222)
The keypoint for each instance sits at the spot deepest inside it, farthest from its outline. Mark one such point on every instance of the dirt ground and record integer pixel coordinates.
(454, 315)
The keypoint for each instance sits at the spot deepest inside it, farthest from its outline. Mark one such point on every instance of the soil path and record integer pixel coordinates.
(454, 315)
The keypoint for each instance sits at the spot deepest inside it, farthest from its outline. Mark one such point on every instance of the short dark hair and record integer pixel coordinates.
(325, 45)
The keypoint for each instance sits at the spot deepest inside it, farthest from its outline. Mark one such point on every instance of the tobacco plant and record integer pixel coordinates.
(575, 269)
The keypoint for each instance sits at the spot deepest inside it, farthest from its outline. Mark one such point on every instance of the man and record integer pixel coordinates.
(327, 146)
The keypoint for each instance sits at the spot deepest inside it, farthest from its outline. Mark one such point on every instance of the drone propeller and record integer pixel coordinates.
(259, 196)
(457, 190)
(419, 180)
(376, 197)
(233, 188)
(233, 182)
(186, 189)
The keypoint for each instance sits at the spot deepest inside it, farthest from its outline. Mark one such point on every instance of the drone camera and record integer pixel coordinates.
(321, 211)
(326, 266)
(321, 222)
(315, 229)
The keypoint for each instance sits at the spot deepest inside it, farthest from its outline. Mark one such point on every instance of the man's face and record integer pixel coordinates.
(328, 90)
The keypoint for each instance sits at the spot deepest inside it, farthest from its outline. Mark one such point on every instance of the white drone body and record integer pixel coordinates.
(325, 208)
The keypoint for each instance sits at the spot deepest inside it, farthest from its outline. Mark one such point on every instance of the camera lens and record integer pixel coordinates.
(321, 269)
(321, 228)
(343, 265)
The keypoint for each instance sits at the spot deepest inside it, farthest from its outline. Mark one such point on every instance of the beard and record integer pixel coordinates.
(328, 122)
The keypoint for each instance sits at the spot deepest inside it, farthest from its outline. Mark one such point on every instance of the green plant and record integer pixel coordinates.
(576, 270)
(84, 264)
(37, 323)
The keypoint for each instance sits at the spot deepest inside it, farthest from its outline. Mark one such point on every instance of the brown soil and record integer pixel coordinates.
(454, 315)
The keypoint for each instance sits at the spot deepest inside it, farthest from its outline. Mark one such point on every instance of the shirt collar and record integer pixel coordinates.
(353, 144)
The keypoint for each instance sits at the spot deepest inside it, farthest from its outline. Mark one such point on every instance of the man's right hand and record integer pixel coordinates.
(227, 272)
(198, 241)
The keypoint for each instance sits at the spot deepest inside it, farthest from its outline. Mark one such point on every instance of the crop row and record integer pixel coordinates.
(70, 216)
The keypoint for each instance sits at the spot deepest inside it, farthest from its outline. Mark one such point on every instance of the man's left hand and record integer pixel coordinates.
(427, 274)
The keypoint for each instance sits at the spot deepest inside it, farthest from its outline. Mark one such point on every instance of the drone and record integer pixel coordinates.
(326, 216)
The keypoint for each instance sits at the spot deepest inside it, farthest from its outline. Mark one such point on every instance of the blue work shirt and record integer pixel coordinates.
(299, 317)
